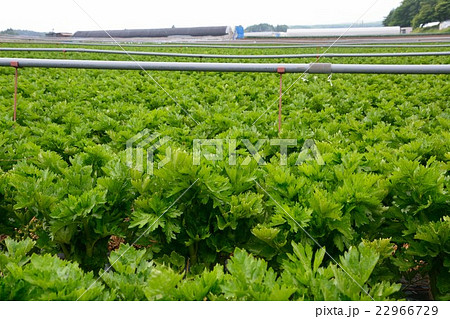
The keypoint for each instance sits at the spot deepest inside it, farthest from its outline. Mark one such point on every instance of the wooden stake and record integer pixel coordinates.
(280, 71)
(16, 75)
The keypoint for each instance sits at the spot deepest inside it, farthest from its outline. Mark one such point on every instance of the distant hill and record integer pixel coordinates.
(340, 25)
(22, 33)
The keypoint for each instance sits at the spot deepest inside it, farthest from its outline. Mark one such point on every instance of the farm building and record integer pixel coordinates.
(58, 34)
(268, 34)
(444, 25)
(156, 33)
(331, 32)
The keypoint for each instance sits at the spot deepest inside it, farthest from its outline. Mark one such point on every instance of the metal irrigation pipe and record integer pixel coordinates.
(230, 56)
(324, 68)
(252, 46)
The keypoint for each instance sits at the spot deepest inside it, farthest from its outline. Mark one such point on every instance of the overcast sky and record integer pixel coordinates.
(66, 16)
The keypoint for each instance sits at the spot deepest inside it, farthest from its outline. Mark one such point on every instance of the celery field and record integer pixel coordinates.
(365, 222)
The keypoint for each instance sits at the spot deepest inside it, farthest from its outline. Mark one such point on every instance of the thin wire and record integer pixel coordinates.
(140, 236)
(131, 57)
(311, 64)
(316, 242)
(16, 160)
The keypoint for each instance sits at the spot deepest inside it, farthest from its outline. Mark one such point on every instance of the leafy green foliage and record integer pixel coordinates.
(135, 278)
(302, 270)
(432, 244)
(383, 173)
(50, 278)
(79, 211)
(251, 279)
(16, 253)
(44, 277)
(350, 279)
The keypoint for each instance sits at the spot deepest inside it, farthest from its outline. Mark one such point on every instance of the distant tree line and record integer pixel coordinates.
(8, 32)
(265, 27)
(413, 13)
(11, 31)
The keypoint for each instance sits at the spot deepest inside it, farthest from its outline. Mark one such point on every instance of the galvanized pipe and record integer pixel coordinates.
(324, 68)
(230, 56)
(251, 46)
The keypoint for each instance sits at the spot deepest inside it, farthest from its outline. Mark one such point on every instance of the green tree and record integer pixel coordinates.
(262, 27)
(404, 14)
(8, 31)
(426, 14)
(416, 12)
(281, 28)
(442, 10)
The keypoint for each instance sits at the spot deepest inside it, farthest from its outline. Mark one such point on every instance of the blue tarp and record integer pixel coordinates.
(239, 30)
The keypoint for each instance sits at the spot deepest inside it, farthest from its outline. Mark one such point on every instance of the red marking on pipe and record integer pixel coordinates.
(281, 70)
(16, 75)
